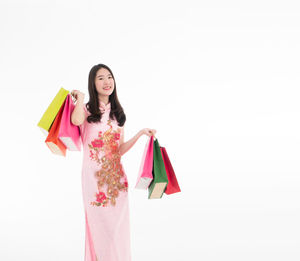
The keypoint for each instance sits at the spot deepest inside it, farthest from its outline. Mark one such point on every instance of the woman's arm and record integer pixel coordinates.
(125, 146)
(77, 116)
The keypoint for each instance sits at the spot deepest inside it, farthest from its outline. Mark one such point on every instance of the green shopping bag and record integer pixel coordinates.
(160, 179)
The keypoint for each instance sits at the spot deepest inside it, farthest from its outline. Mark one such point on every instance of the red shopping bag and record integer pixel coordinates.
(172, 186)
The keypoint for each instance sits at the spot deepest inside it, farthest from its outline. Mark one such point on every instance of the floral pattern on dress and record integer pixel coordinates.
(111, 173)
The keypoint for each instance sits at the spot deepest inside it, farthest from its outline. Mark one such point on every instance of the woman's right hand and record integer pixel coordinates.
(78, 95)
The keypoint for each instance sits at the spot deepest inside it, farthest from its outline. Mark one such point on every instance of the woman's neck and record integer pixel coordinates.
(104, 100)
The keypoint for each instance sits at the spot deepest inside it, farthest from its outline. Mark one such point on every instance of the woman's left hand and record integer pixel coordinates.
(149, 132)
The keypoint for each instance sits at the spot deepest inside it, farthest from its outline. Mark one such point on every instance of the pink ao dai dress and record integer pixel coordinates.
(105, 190)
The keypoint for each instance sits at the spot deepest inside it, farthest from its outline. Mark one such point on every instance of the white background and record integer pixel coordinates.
(218, 80)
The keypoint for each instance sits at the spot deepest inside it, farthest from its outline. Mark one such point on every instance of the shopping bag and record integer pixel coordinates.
(49, 115)
(145, 173)
(160, 180)
(69, 133)
(172, 186)
(52, 140)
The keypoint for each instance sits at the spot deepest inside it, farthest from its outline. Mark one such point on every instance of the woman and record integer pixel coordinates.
(104, 183)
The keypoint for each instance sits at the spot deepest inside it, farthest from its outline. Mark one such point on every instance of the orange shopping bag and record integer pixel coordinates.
(52, 140)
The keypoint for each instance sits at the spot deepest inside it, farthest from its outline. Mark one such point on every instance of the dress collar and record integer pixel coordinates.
(103, 107)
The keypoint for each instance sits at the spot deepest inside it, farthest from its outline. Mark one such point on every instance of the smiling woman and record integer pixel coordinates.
(104, 181)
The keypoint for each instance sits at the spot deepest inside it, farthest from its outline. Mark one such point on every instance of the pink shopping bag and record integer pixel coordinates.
(69, 133)
(145, 173)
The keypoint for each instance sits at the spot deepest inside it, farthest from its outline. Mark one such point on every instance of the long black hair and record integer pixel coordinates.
(93, 103)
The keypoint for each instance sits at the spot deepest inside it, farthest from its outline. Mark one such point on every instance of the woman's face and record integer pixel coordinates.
(104, 82)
